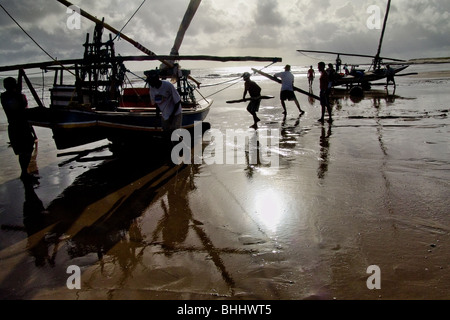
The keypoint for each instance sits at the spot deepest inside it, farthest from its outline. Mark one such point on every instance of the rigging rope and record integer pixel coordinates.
(120, 31)
(236, 79)
(40, 47)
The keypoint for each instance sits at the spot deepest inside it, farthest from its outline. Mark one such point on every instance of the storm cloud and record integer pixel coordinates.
(415, 28)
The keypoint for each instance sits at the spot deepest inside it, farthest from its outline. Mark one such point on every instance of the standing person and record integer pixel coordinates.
(311, 76)
(20, 132)
(324, 92)
(255, 94)
(331, 75)
(390, 75)
(287, 88)
(167, 99)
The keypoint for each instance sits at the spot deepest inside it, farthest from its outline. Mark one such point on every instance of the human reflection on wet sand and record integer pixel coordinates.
(36, 219)
(288, 138)
(324, 152)
(251, 153)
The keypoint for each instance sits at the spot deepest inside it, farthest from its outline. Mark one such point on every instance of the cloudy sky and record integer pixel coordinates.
(416, 28)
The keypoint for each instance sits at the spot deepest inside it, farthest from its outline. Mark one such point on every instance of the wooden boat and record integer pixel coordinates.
(361, 77)
(96, 103)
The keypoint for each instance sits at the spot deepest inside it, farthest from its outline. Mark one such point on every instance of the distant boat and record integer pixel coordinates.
(361, 77)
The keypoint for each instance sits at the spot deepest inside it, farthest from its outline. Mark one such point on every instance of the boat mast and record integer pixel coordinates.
(136, 44)
(115, 31)
(377, 60)
(190, 12)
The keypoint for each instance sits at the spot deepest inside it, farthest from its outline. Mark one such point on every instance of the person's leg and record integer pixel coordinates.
(283, 104)
(298, 106)
(24, 161)
(255, 118)
(322, 105)
(328, 104)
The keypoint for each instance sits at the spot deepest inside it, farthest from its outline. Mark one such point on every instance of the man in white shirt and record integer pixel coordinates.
(287, 88)
(167, 99)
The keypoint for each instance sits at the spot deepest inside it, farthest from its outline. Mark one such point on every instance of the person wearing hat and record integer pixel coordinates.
(287, 88)
(167, 99)
(255, 94)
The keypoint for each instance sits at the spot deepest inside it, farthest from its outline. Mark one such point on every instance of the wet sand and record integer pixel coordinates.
(372, 188)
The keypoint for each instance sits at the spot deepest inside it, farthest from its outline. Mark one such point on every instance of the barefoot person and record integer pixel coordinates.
(390, 73)
(311, 76)
(324, 92)
(287, 88)
(20, 132)
(255, 94)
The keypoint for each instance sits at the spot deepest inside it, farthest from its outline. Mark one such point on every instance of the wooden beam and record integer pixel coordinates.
(58, 63)
(279, 81)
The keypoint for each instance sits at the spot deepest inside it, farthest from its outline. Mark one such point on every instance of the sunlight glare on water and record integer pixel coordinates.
(269, 208)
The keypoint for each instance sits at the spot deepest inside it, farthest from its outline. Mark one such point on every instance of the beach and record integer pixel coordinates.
(309, 219)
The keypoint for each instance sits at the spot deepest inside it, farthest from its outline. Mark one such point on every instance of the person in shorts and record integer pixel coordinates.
(254, 90)
(287, 88)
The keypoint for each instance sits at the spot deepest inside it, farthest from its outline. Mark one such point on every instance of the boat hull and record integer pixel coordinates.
(73, 127)
(368, 77)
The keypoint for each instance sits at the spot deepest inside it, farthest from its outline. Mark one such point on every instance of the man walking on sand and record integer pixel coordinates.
(287, 88)
(255, 94)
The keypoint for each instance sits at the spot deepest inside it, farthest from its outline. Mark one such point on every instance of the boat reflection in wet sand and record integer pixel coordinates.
(101, 217)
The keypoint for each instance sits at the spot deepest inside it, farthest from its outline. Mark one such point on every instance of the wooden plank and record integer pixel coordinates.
(279, 81)
(248, 99)
(57, 64)
(201, 57)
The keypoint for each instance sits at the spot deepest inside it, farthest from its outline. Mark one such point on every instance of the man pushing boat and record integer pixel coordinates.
(167, 99)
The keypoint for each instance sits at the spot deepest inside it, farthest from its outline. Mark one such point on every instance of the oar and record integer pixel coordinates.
(248, 99)
(279, 81)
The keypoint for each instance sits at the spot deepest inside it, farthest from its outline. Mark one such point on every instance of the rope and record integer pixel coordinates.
(238, 80)
(48, 54)
(137, 76)
(310, 57)
(132, 87)
(120, 31)
(222, 89)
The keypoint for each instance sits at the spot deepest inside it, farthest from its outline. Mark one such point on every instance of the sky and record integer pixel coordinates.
(415, 29)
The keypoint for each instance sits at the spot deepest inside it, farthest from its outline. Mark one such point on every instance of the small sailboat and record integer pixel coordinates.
(356, 76)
